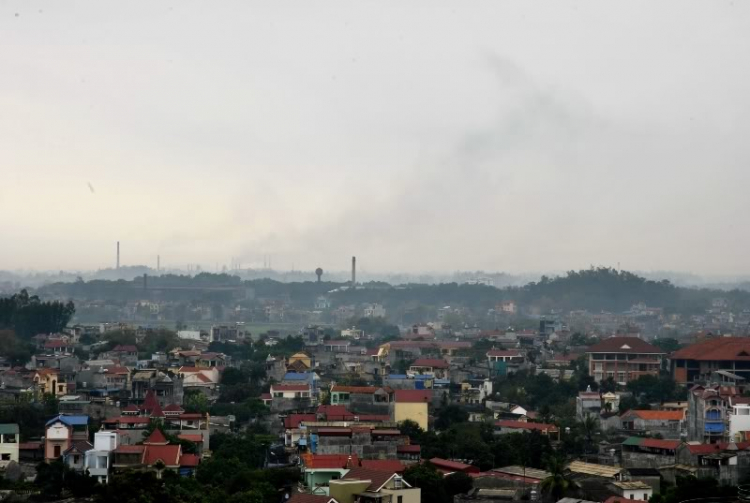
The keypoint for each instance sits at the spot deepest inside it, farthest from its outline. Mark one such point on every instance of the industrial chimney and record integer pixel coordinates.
(354, 271)
(118, 255)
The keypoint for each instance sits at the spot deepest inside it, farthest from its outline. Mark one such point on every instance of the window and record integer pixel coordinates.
(400, 499)
(9, 439)
(6, 457)
(57, 451)
(76, 459)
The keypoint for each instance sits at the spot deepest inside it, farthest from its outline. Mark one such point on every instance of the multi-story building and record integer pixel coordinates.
(362, 485)
(99, 459)
(624, 359)
(708, 412)
(9, 444)
(61, 432)
(699, 361)
(413, 405)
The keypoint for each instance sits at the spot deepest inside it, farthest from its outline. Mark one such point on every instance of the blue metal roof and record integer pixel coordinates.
(297, 376)
(398, 376)
(70, 420)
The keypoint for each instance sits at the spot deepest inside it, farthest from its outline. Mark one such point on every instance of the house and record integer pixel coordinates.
(362, 399)
(446, 467)
(709, 411)
(433, 366)
(641, 452)
(361, 485)
(286, 397)
(49, 381)
(727, 462)
(410, 453)
(58, 347)
(624, 359)
(668, 423)
(411, 404)
(503, 361)
(202, 378)
(10, 440)
(75, 455)
(510, 426)
(696, 363)
(116, 378)
(632, 490)
(336, 346)
(298, 359)
(319, 469)
(61, 432)
(155, 454)
(588, 403)
(98, 460)
(309, 378)
(126, 354)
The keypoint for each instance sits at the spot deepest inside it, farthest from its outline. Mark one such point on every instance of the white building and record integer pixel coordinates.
(374, 311)
(191, 335)
(9, 440)
(739, 422)
(99, 459)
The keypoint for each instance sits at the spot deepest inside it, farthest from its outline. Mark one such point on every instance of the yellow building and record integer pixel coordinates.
(413, 404)
(48, 381)
(370, 486)
(300, 357)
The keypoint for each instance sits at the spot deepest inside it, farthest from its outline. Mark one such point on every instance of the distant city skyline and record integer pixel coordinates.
(426, 136)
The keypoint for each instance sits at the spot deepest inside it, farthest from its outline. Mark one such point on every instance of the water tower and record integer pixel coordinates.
(319, 273)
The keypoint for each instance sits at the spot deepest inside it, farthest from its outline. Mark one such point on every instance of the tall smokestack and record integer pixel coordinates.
(158, 263)
(118, 255)
(354, 271)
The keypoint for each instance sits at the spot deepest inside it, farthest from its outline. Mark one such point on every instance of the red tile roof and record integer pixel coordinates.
(266, 396)
(128, 420)
(56, 344)
(173, 407)
(412, 449)
(331, 460)
(293, 420)
(130, 449)
(520, 425)
(131, 408)
(624, 345)
(156, 438)
(436, 363)
(453, 466)
(383, 465)
(191, 370)
(711, 448)
(412, 395)
(656, 443)
(189, 460)
(335, 413)
(723, 348)
(168, 454)
(308, 498)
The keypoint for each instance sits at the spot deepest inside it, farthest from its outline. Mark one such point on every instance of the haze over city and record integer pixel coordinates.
(422, 136)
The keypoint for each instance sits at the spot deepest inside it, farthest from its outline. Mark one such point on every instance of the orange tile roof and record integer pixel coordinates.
(658, 415)
(168, 454)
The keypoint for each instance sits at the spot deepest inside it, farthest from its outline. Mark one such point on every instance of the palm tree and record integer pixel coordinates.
(589, 426)
(557, 484)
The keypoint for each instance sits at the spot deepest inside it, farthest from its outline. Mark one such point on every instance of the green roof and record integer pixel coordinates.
(9, 429)
(633, 441)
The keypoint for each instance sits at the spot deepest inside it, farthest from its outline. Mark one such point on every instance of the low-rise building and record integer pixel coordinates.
(668, 423)
(10, 440)
(61, 432)
(98, 460)
(361, 485)
(413, 405)
(432, 366)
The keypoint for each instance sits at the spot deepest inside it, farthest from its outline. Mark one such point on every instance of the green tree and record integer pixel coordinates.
(458, 483)
(429, 480)
(557, 484)
(196, 401)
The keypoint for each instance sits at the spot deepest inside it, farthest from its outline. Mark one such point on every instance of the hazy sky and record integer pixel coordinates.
(498, 135)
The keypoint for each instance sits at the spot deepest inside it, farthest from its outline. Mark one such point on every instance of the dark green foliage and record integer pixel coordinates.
(691, 488)
(429, 480)
(15, 349)
(30, 418)
(557, 484)
(378, 327)
(28, 315)
(668, 344)
(458, 483)
(54, 478)
(450, 415)
(650, 388)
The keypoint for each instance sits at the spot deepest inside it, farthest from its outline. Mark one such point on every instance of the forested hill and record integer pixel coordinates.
(595, 290)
